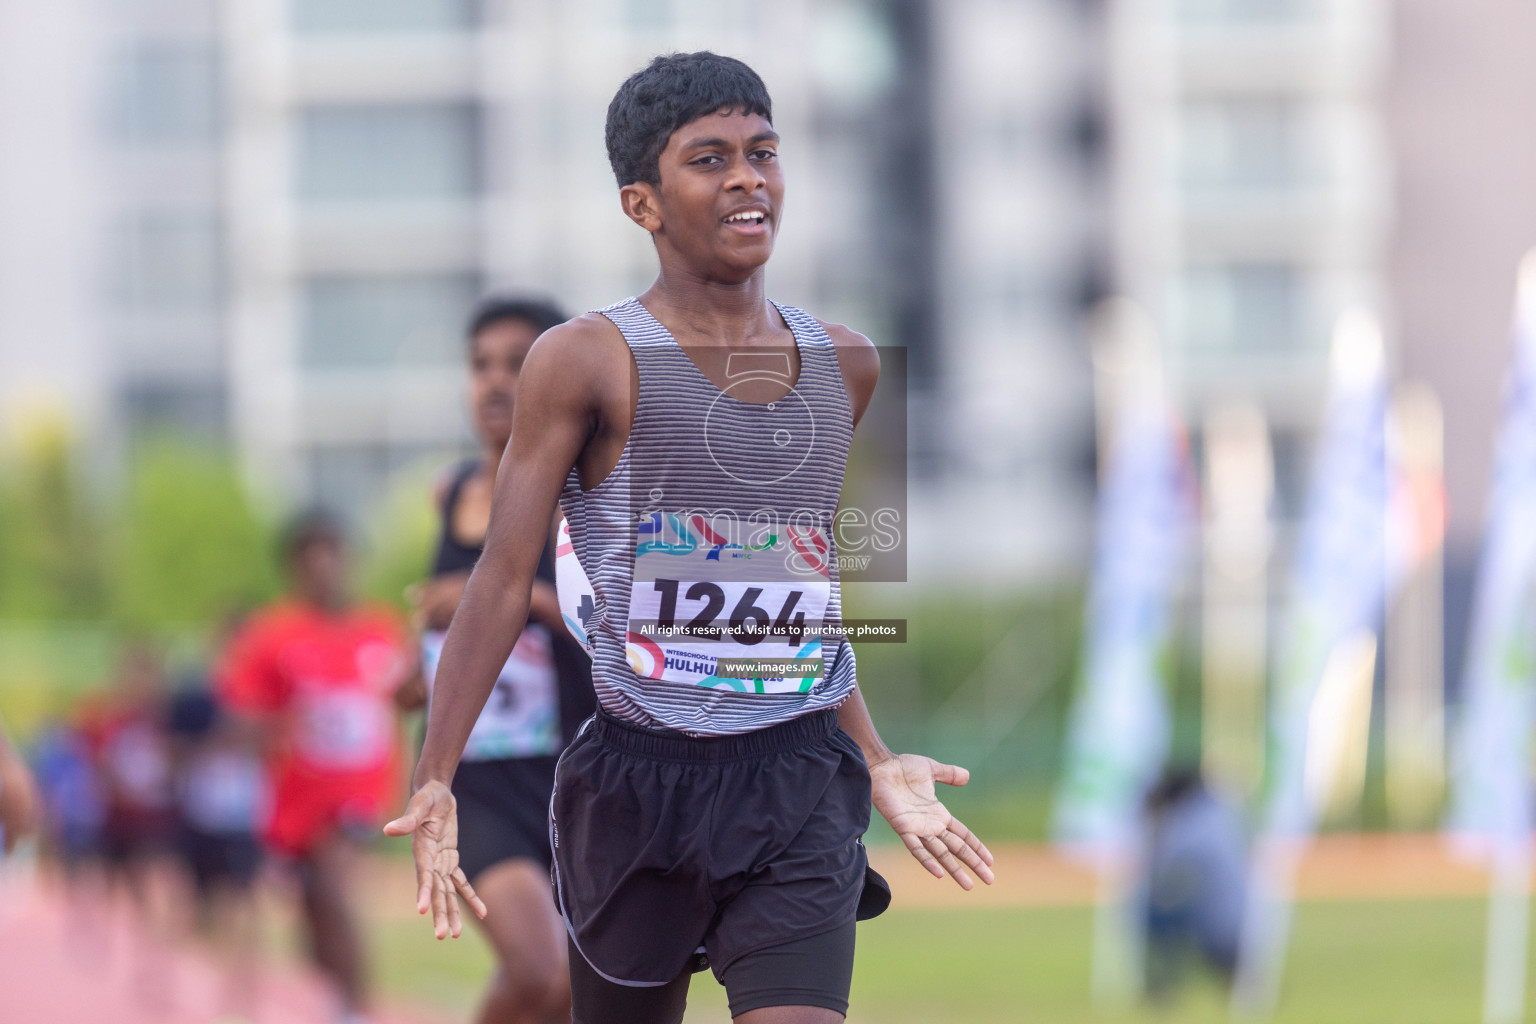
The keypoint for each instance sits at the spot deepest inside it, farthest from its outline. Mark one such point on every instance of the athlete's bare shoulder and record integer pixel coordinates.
(579, 377)
(583, 358)
(590, 342)
(844, 336)
(859, 360)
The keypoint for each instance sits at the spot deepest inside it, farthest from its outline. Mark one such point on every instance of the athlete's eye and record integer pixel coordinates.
(764, 154)
(707, 158)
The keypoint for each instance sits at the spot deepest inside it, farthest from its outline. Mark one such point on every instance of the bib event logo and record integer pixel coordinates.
(792, 437)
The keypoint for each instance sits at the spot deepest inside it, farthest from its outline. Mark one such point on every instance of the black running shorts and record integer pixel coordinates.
(219, 859)
(814, 971)
(503, 811)
(667, 846)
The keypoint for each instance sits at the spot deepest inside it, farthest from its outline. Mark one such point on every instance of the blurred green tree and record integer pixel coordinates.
(400, 533)
(189, 546)
(50, 542)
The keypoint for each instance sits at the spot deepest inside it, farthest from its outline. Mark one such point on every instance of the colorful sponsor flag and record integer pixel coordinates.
(1338, 584)
(1491, 813)
(1491, 795)
(1339, 574)
(1118, 735)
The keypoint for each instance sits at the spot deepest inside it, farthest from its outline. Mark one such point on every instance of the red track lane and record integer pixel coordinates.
(55, 970)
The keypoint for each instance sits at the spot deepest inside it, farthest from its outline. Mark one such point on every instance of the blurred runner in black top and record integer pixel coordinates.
(504, 782)
(222, 797)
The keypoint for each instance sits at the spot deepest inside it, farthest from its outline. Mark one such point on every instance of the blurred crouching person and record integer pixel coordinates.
(1194, 881)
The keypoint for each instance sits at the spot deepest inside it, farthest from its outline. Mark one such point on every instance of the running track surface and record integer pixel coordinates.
(56, 969)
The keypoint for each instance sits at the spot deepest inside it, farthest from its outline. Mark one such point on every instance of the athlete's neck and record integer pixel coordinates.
(325, 604)
(699, 311)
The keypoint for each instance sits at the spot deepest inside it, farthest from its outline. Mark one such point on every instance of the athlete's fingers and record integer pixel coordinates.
(950, 774)
(917, 849)
(971, 840)
(941, 852)
(423, 885)
(439, 906)
(403, 825)
(455, 924)
(966, 855)
(467, 891)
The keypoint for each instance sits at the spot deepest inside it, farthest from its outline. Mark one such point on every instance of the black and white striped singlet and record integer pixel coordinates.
(707, 483)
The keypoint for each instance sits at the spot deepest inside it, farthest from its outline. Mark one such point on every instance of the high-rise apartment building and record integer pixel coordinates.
(389, 162)
(1252, 192)
(162, 272)
(111, 246)
(271, 218)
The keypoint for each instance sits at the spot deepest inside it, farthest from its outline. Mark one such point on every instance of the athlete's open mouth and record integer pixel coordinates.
(747, 217)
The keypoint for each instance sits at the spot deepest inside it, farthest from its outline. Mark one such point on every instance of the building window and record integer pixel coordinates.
(372, 152)
(652, 15)
(1241, 145)
(1242, 307)
(163, 407)
(345, 478)
(322, 16)
(165, 93)
(351, 321)
(167, 261)
(1215, 12)
(353, 480)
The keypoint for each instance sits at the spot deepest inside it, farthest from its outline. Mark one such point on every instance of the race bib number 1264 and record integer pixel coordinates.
(742, 614)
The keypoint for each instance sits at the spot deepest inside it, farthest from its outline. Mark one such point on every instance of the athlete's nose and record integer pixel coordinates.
(744, 176)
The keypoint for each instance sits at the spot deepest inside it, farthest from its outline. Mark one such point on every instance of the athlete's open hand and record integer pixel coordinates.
(431, 819)
(903, 792)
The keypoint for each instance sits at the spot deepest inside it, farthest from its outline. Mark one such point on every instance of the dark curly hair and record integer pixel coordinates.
(316, 525)
(540, 314)
(669, 92)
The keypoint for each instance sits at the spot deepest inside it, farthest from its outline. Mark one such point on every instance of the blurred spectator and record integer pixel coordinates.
(74, 807)
(316, 674)
(127, 735)
(132, 754)
(18, 797)
(1194, 882)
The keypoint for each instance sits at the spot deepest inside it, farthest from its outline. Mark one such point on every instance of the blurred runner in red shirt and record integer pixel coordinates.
(318, 674)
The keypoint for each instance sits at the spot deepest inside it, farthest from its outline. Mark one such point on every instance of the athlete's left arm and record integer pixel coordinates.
(859, 361)
(902, 785)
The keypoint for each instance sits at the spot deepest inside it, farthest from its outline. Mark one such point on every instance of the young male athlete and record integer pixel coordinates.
(317, 673)
(544, 692)
(696, 438)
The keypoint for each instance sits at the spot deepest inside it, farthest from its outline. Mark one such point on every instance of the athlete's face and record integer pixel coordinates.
(139, 676)
(720, 197)
(319, 572)
(496, 357)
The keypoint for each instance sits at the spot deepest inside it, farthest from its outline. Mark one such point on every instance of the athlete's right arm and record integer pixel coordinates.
(566, 397)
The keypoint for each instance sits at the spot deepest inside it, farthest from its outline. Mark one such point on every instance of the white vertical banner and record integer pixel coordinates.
(1415, 624)
(1336, 595)
(1491, 784)
(1118, 735)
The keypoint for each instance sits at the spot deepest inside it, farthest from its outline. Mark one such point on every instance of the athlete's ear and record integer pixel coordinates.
(642, 205)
